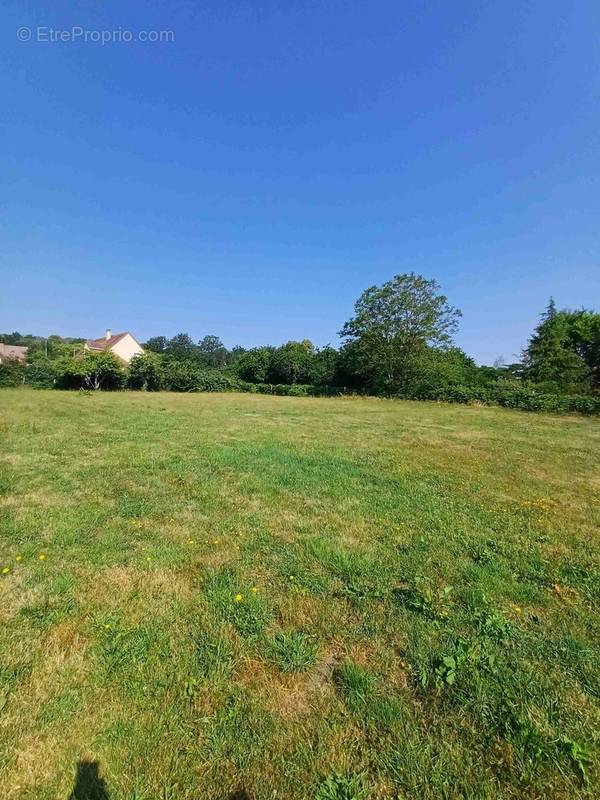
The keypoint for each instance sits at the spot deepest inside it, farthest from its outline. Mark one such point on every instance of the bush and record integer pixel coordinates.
(451, 394)
(529, 400)
(180, 376)
(146, 372)
(524, 398)
(41, 374)
(254, 365)
(214, 380)
(298, 390)
(292, 390)
(584, 404)
(12, 373)
(464, 394)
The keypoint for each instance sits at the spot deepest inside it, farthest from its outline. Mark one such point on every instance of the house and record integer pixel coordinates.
(13, 352)
(123, 345)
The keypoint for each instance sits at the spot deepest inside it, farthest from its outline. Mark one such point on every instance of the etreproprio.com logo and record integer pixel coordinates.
(45, 33)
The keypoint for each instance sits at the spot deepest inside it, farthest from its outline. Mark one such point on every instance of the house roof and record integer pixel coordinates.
(105, 344)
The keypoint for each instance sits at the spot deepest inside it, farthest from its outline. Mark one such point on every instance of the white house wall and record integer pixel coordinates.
(126, 348)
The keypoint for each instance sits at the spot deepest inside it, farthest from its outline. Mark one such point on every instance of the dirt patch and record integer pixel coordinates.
(323, 671)
(291, 695)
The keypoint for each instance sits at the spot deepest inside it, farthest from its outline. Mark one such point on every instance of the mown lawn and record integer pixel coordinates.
(238, 596)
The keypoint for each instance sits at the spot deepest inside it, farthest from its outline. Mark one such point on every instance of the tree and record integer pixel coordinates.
(52, 346)
(392, 326)
(157, 344)
(181, 346)
(101, 370)
(348, 370)
(212, 351)
(181, 375)
(293, 363)
(146, 372)
(254, 365)
(236, 352)
(443, 367)
(325, 367)
(551, 358)
(584, 337)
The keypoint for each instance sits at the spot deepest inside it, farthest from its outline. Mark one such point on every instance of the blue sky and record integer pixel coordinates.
(253, 176)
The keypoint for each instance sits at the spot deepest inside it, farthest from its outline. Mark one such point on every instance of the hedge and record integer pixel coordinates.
(525, 398)
(298, 390)
(43, 375)
(213, 380)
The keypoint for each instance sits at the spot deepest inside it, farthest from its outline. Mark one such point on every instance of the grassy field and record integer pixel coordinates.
(238, 596)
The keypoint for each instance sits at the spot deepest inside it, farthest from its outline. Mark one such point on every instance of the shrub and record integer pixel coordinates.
(41, 374)
(214, 380)
(12, 373)
(584, 404)
(146, 372)
(463, 394)
(180, 376)
(298, 390)
(254, 365)
(525, 398)
(528, 399)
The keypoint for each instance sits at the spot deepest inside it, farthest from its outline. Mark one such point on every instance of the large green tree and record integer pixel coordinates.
(293, 363)
(584, 336)
(212, 351)
(157, 344)
(181, 346)
(253, 365)
(392, 327)
(552, 359)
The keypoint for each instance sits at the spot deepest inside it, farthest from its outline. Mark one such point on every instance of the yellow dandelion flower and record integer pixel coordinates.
(254, 590)
(216, 541)
(42, 556)
(191, 541)
(238, 598)
(18, 558)
(5, 570)
(518, 610)
(107, 627)
(292, 577)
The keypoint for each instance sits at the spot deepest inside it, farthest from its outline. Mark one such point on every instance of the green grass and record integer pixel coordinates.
(260, 597)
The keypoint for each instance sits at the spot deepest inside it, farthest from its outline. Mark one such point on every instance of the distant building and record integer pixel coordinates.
(123, 345)
(13, 352)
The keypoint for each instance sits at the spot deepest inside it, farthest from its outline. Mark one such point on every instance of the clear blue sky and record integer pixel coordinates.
(252, 177)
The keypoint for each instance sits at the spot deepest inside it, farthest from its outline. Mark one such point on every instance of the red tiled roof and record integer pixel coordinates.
(103, 343)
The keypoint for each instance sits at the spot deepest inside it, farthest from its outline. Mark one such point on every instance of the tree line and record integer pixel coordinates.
(399, 342)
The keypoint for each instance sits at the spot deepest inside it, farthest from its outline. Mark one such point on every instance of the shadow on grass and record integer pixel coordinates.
(88, 783)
